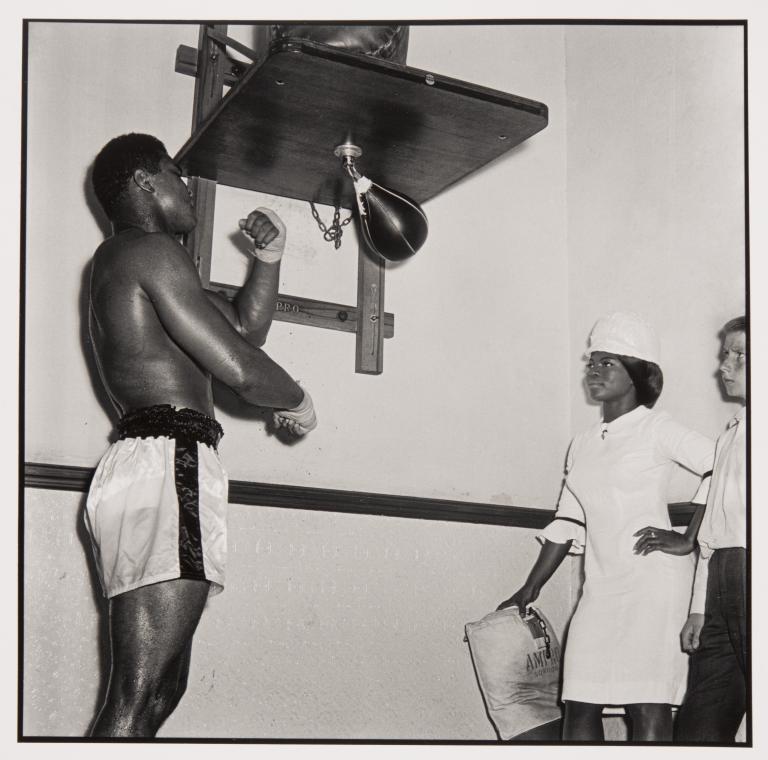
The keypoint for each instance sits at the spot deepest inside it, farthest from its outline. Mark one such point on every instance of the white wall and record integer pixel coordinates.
(656, 199)
(85, 86)
(460, 306)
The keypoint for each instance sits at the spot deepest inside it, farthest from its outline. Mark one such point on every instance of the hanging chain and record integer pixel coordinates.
(332, 233)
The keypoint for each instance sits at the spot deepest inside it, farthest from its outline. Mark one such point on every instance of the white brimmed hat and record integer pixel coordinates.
(627, 334)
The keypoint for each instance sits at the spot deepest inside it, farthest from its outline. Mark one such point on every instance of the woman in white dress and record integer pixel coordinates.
(622, 646)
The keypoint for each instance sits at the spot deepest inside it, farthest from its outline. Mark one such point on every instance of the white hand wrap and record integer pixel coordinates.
(268, 254)
(304, 413)
(273, 251)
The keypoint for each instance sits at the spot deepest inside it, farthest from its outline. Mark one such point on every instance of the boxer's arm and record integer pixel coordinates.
(252, 309)
(256, 301)
(224, 305)
(166, 273)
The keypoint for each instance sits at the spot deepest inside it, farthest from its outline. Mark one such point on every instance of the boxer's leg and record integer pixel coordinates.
(151, 631)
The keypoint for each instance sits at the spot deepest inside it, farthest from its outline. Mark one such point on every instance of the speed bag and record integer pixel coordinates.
(393, 225)
(517, 664)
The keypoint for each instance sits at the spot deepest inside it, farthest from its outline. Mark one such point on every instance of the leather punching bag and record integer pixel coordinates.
(393, 225)
(390, 43)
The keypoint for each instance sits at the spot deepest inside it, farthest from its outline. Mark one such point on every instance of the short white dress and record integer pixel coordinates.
(623, 645)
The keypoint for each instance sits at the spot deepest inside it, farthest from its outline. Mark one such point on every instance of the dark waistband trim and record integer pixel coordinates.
(186, 425)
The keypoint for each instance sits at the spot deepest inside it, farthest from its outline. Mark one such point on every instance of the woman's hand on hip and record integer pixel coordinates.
(659, 539)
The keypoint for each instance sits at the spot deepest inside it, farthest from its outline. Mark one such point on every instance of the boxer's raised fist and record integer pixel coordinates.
(267, 231)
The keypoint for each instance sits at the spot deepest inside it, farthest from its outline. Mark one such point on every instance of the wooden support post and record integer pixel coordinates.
(369, 356)
(212, 64)
(199, 241)
(187, 60)
(213, 68)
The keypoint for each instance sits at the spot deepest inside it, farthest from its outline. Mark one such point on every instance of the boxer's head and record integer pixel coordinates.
(134, 179)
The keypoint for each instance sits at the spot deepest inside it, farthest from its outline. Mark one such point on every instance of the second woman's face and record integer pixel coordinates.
(607, 379)
(733, 364)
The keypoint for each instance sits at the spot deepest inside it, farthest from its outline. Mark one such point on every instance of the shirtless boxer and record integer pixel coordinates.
(156, 510)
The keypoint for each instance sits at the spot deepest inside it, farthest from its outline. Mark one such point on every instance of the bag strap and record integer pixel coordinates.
(533, 612)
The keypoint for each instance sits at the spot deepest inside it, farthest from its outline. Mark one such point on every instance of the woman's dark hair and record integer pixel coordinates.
(646, 377)
(116, 163)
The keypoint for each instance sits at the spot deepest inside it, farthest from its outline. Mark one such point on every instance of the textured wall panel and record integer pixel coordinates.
(331, 626)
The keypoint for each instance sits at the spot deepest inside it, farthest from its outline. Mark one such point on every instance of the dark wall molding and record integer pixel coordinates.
(59, 477)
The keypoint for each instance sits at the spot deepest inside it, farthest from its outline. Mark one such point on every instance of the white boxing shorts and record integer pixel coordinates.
(156, 508)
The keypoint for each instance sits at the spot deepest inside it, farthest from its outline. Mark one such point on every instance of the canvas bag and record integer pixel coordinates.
(517, 664)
